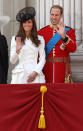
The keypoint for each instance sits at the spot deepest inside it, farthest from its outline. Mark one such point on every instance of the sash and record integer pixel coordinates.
(53, 41)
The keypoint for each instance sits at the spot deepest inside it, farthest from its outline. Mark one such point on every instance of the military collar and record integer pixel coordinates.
(52, 26)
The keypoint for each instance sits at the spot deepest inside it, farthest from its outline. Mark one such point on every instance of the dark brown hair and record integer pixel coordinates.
(57, 7)
(33, 35)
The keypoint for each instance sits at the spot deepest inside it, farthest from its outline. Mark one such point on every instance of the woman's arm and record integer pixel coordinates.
(41, 62)
(13, 54)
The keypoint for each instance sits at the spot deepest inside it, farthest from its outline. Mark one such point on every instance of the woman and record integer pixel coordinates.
(25, 47)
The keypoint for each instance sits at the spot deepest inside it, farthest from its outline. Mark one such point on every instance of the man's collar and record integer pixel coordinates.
(53, 26)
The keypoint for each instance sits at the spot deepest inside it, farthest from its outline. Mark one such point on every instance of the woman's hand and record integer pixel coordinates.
(19, 45)
(32, 76)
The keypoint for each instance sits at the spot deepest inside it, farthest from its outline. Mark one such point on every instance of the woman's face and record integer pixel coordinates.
(27, 25)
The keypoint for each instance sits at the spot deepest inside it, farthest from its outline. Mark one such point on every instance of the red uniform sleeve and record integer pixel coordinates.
(71, 44)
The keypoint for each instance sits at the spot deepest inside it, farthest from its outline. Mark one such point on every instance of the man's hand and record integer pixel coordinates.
(60, 29)
(19, 45)
(32, 76)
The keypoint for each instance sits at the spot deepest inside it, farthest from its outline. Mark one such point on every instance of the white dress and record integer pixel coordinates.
(27, 61)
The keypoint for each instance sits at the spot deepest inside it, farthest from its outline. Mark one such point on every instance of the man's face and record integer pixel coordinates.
(55, 16)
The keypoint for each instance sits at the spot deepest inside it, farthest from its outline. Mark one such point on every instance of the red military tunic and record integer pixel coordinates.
(55, 72)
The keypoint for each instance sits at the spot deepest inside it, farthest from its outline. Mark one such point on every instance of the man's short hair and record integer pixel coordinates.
(57, 7)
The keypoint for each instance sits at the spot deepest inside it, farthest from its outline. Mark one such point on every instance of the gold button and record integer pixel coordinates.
(53, 51)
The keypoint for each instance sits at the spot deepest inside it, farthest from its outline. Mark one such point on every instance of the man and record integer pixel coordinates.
(60, 41)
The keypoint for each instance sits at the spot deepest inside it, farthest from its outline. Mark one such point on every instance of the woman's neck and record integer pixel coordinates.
(28, 34)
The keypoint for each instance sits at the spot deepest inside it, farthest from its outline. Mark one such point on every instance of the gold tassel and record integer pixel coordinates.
(41, 123)
(68, 79)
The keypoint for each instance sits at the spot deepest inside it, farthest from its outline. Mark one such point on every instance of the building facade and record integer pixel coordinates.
(73, 16)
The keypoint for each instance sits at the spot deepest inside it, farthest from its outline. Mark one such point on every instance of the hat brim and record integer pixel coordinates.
(25, 14)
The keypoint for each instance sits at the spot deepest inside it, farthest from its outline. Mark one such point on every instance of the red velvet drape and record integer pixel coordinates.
(20, 107)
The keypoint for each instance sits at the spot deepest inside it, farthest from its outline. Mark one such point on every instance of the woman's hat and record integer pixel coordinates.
(25, 14)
